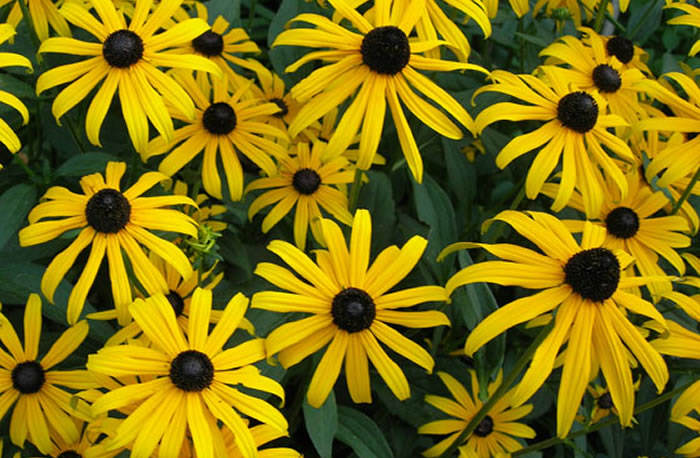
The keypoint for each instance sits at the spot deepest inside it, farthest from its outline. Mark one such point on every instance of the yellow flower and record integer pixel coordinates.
(382, 63)
(307, 182)
(43, 13)
(110, 221)
(8, 137)
(350, 308)
(30, 385)
(225, 125)
(492, 436)
(576, 126)
(692, 18)
(188, 381)
(583, 283)
(126, 59)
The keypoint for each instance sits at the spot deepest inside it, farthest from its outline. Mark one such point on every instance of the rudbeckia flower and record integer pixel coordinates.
(602, 402)
(111, 221)
(350, 308)
(382, 63)
(592, 69)
(186, 381)
(126, 59)
(42, 13)
(492, 436)
(674, 163)
(692, 18)
(262, 434)
(624, 50)
(225, 125)
(583, 283)
(630, 224)
(307, 182)
(8, 137)
(32, 387)
(576, 126)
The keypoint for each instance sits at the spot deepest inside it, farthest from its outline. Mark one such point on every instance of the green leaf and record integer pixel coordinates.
(84, 164)
(362, 434)
(322, 424)
(377, 197)
(229, 9)
(282, 56)
(15, 204)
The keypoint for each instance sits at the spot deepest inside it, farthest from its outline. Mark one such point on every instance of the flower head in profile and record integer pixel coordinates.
(350, 309)
(575, 130)
(126, 59)
(632, 224)
(8, 138)
(225, 126)
(492, 436)
(184, 385)
(375, 66)
(583, 283)
(30, 384)
(109, 221)
(306, 181)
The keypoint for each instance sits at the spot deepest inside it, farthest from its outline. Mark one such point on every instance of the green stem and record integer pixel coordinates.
(355, 190)
(599, 17)
(503, 389)
(686, 192)
(609, 17)
(557, 440)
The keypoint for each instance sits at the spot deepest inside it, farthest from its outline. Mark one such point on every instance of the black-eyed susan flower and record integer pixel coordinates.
(633, 224)
(603, 404)
(185, 381)
(383, 64)
(583, 283)
(576, 127)
(126, 58)
(30, 385)
(262, 434)
(8, 59)
(307, 182)
(43, 13)
(674, 163)
(350, 309)
(89, 444)
(224, 126)
(626, 52)
(492, 436)
(110, 221)
(593, 69)
(271, 88)
(692, 18)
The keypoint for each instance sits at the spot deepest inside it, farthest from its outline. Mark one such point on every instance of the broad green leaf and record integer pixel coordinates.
(321, 424)
(377, 197)
(15, 204)
(84, 164)
(362, 434)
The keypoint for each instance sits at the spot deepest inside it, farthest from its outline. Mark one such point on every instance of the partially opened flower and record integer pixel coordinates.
(575, 130)
(632, 224)
(307, 182)
(583, 283)
(350, 309)
(8, 137)
(32, 386)
(225, 125)
(185, 384)
(492, 436)
(126, 59)
(109, 221)
(383, 64)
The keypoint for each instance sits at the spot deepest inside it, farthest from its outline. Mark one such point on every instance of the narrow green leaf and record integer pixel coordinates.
(15, 204)
(321, 424)
(362, 434)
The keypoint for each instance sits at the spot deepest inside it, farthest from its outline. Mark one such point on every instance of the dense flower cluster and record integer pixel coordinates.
(210, 156)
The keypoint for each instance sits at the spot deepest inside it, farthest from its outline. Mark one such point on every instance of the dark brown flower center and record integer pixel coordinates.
(219, 118)
(176, 302)
(28, 377)
(353, 310)
(578, 111)
(620, 47)
(485, 427)
(306, 181)
(622, 222)
(122, 49)
(606, 78)
(209, 43)
(593, 274)
(5, 155)
(108, 211)
(605, 401)
(70, 454)
(386, 50)
(191, 371)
